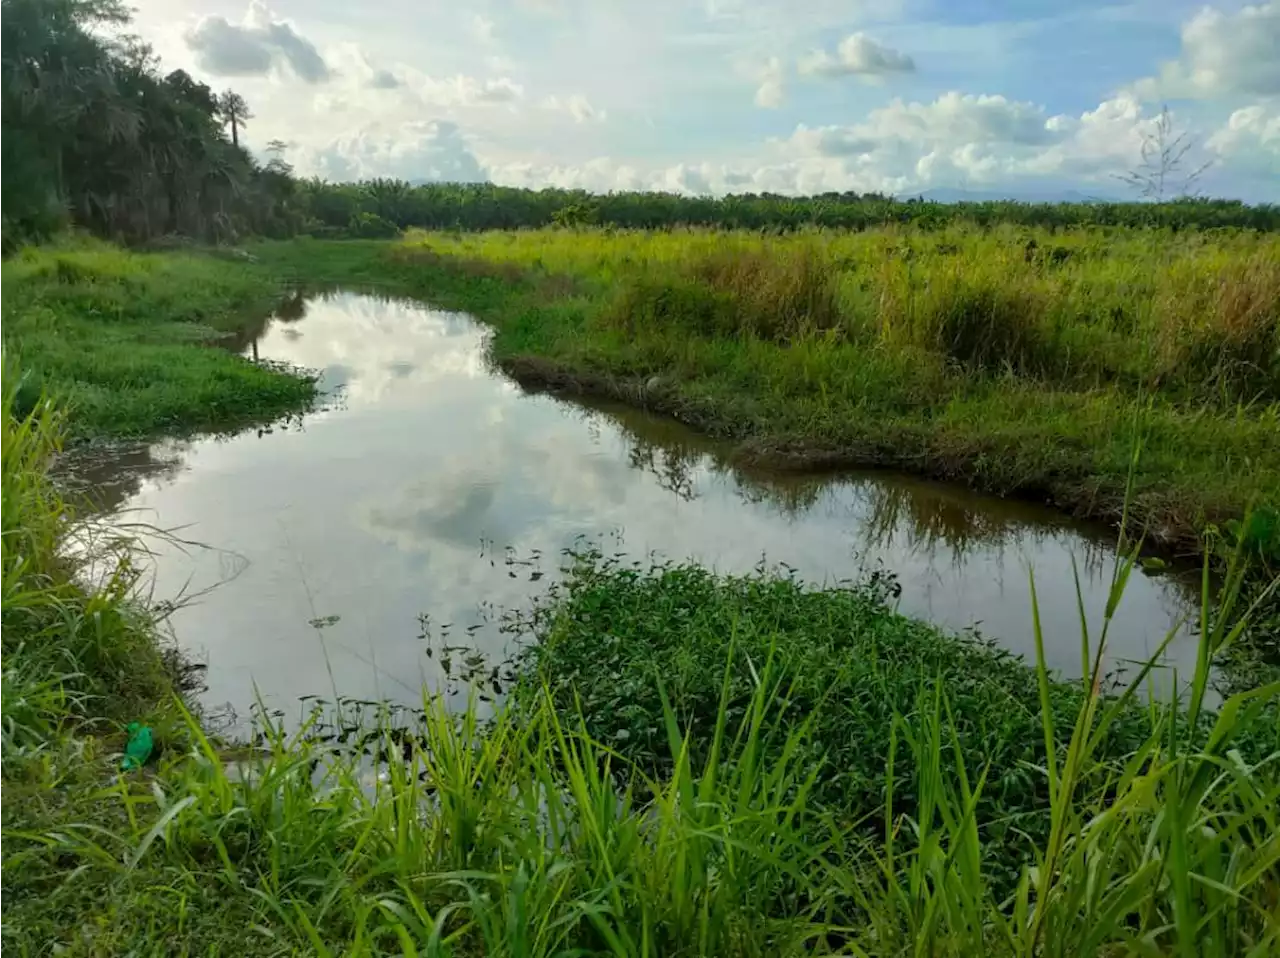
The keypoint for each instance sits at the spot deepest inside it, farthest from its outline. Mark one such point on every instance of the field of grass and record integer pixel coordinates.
(690, 765)
(1019, 361)
(121, 337)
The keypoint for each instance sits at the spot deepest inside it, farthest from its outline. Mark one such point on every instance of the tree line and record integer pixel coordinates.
(96, 135)
(381, 206)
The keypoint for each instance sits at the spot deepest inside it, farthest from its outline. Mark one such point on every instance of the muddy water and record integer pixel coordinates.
(431, 486)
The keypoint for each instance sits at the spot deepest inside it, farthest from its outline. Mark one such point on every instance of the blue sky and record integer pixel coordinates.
(791, 96)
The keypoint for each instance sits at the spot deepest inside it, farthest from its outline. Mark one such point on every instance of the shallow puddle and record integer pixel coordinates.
(434, 487)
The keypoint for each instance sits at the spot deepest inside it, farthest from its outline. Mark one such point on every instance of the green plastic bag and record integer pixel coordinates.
(138, 750)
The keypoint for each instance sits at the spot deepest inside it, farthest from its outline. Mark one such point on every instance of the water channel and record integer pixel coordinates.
(432, 486)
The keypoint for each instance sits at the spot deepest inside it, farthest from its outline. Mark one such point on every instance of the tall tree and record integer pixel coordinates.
(235, 113)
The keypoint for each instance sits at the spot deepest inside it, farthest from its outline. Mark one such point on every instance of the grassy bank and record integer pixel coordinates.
(1022, 363)
(122, 338)
(691, 765)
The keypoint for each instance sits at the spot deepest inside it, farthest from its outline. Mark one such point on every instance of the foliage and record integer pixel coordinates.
(70, 655)
(615, 642)
(371, 226)
(122, 338)
(95, 135)
(486, 206)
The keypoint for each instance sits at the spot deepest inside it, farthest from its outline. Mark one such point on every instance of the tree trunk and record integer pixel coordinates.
(235, 133)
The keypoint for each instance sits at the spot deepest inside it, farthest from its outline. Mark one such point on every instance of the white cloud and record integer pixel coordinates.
(599, 175)
(680, 78)
(465, 90)
(952, 118)
(576, 105)
(979, 142)
(257, 46)
(857, 55)
(1223, 54)
(350, 62)
(425, 150)
(1250, 140)
(770, 93)
(403, 91)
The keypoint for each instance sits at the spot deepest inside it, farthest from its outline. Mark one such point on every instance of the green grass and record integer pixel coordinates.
(692, 765)
(960, 354)
(124, 339)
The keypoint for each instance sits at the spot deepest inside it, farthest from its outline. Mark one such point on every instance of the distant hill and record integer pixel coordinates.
(945, 195)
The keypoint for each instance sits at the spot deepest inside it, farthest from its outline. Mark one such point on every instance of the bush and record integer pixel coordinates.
(772, 296)
(372, 226)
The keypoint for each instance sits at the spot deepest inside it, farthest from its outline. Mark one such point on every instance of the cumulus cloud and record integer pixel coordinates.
(258, 45)
(599, 175)
(1223, 54)
(1250, 140)
(424, 150)
(857, 55)
(983, 142)
(770, 92)
(351, 63)
(953, 118)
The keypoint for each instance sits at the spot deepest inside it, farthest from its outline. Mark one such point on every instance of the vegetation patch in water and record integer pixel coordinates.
(617, 643)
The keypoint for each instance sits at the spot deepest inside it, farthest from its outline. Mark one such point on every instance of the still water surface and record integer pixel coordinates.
(412, 491)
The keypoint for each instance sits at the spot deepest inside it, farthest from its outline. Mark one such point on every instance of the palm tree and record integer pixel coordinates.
(235, 111)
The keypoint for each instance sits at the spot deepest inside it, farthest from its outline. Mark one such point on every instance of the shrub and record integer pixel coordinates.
(372, 226)
(982, 321)
(774, 295)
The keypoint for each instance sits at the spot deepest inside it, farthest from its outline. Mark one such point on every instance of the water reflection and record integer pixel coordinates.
(104, 477)
(902, 512)
(435, 486)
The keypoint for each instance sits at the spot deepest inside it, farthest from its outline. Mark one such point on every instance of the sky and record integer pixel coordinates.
(1023, 97)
